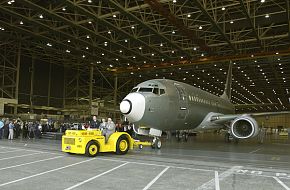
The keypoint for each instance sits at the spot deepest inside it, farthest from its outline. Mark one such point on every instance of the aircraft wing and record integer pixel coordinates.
(222, 119)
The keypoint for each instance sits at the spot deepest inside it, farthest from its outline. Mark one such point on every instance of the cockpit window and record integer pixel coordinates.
(145, 90)
(162, 91)
(155, 91)
(134, 90)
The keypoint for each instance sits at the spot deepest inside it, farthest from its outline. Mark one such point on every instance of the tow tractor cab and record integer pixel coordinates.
(91, 142)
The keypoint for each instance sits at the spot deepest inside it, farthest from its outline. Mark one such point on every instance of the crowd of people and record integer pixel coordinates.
(16, 128)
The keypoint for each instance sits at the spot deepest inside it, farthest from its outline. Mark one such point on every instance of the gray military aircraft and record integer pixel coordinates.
(160, 105)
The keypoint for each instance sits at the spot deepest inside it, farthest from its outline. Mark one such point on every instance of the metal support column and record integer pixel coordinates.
(91, 87)
(77, 86)
(115, 94)
(31, 84)
(49, 84)
(64, 87)
(17, 77)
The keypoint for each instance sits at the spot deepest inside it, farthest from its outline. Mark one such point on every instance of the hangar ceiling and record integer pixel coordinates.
(190, 40)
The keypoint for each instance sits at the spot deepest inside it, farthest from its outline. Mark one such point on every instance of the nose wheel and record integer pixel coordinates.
(156, 143)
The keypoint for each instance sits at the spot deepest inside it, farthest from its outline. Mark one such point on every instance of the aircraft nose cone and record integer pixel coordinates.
(133, 106)
(126, 106)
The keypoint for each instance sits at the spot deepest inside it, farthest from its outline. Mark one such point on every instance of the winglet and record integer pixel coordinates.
(228, 85)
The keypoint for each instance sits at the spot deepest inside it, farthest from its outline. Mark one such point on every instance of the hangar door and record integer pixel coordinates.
(183, 107)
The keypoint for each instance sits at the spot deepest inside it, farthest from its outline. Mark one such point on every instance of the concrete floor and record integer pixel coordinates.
(205, 162)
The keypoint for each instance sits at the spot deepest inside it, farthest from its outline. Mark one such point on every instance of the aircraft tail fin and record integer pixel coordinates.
(228, 85)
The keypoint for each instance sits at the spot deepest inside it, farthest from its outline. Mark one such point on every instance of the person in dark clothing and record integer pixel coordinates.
(1, 128)
(25, 130)
(95, 124)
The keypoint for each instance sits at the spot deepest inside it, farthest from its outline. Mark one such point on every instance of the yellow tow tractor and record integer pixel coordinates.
(91, 142)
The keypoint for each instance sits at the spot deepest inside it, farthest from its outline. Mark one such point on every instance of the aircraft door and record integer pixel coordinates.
(183, 107)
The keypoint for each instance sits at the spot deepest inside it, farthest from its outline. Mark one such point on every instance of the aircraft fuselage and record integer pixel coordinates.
(171, 105)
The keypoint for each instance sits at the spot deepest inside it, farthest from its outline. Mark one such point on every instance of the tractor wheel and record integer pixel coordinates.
(123, 145)
(92, 149)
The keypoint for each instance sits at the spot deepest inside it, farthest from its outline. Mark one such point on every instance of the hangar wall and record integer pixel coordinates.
(274, 121)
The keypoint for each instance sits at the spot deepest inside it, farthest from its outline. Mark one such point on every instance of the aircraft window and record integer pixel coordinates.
(162, 91)
(145, 90)
(155, 90)
(134, 90)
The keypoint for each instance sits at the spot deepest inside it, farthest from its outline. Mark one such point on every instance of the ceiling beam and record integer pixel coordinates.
(54, 30)
(206, 60)
(81, 28)
(288, 16)
(137, 20)
(158, 7)
(74, 5)
(214, 23)
(48, 40)
(247, 14)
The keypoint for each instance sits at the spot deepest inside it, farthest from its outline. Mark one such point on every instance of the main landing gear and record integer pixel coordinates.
(229, 138)
(156, 143)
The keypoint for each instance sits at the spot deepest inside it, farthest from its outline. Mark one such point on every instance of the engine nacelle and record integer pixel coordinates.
(244, 127)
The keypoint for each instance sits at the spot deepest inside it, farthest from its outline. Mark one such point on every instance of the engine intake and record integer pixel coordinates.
(244, 127)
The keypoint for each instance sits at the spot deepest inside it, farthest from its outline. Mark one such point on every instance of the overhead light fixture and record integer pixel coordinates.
(111, 65)
(223, 8)
(200, 27)
(202, 55)
(152, 54)
(109, 32)
(144, 61)
(68, 41)
(114, 16)
(120, 51)
(49, 44)
(194, 48)
(134, 57)
(2, 29)
(172, 51)
(89, 1)
(21, 22)
(262, 1)
(64, 9)
(161, 44)
(103, 54)
(267, 16)
(132, 27)
(40, 16)
(189, 15)
(117, 59)
(126, 40)
(140, 47)
(231, 22)
(173, 32)
(88, 36)
(68, 51)
(83, 56)
(174, 1)
(87, 47)
(90, 22)
(277, 53)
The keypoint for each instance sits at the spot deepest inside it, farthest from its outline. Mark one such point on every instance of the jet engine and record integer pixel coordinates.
(244, 127)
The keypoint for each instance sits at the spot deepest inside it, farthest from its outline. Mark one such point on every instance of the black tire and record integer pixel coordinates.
(122, 145)
(178, 136)
(158, 144)
(227, 138)
(185, 137)
(92, 149)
